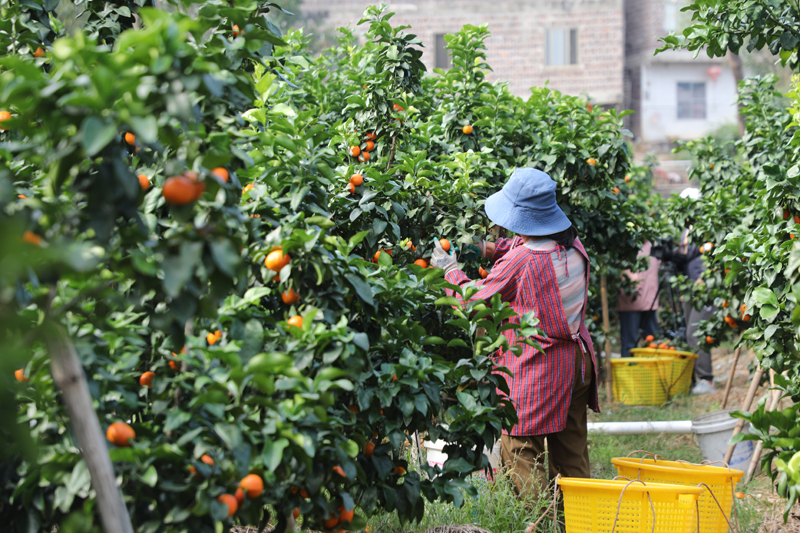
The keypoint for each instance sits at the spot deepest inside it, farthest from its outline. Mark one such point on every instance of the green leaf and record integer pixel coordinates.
(95, 135)
(363, 290)
(273, 452)
(225, 256)
(150, 476)
(145, 128)
(230, 435)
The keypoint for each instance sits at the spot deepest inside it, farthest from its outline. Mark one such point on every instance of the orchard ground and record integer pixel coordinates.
(497, 509)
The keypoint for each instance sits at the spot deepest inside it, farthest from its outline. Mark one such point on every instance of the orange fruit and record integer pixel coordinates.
(410, 244)
(627, 179)
(20, 375)
(146, 379)
(239, 495)
(211, 338)
(786, 214)
(649, 338)
(356, 179)
(296, 321)
(397, 107)
(615, 190)
(303, 494)
(345, 515)
(399, 470)
(339, 470)
(467, 129)
(371, 136)
(589, 107)
(230, 501)
(218, 334)
(369, 449)
(221, 173)
(174, 365)
(672, 348)
(445, 244)
(130, 138)
(290, 297)
(276, 260)
(746, 318)
(725, 303)
(248, 187)
(591, 161)
(742, 309)
(394, 377)
(19, 195)
(709, 339)
(796, 219)
(662, 346)
(351, 188)
(483, 272)
(330, 523)
(31, 238)
(4, 115)
(739, 495)
(179, 190)
(421, 262)
(144, 182)
(199, 186)
(364, 157)
(236, 30)
(354, 409)
(653, 345)
(39, 52)
(370, 146)
(296, 513)
(355, 151)
(253, 485)
(120, 434)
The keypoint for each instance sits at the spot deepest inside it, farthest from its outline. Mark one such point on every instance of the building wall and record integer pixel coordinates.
(659, 104)
(516, 49)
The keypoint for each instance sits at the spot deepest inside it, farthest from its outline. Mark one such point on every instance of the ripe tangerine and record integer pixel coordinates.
(290, 297)
(4, 115)
(296, 513)
(421, 262)
(146, 379)
(355, 151)
(179, 190)
(369, 449)
(330, 523)
(120, 434)
(130, 138)
(39, 52)
(356, 179)
(221, 173)
(351, 188)
(591, 161)
(230, 501)
(445, 244)
(483, 272)
(649, 338)
(20, 375)
(370, 146)
(339, 470)
(467, 129)
(296, 321)
(144, 182)
(253, 485)
(709, 339)
(345, 515)
(239, 495)
(276, 260)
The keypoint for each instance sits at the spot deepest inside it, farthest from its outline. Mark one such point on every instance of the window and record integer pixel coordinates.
(562, 47)
(671, 9)
(443, 59)
(691, 100)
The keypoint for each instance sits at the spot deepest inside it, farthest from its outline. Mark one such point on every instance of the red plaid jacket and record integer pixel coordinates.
(541, 382)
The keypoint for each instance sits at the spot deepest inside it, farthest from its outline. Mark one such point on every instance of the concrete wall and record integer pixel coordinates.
(516, 49)
(659, 101)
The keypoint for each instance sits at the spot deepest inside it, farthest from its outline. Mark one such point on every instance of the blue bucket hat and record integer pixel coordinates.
(527, 205)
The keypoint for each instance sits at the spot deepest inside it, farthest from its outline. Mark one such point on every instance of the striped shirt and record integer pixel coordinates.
(541, 381)
(570, 269)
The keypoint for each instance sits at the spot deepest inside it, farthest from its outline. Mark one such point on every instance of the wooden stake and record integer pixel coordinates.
(748, 401)
(69, 378)
(607, 329)
(730, 376)
(772, 403)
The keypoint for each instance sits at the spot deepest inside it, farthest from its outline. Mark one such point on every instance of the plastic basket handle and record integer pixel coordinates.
(619, 504)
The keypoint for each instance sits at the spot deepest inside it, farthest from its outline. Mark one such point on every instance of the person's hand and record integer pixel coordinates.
(473, 251)
(443, 260)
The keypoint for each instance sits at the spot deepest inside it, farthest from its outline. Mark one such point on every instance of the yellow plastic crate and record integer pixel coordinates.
(590, 506)
(640, 380)
(679, 376)
(720, 482)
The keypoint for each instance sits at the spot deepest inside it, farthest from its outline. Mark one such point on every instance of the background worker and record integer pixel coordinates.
(544, 269)
(639, 312)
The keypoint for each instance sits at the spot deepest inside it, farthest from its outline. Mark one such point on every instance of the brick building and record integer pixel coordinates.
(577, 45)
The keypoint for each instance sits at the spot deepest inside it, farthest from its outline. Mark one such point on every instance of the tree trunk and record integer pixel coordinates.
(69, 378)
(738, 74)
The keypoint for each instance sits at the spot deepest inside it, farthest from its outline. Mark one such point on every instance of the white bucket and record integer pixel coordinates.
(434, 452)
(713, 432)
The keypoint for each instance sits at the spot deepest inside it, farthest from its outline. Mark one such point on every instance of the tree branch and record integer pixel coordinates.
(392, 152)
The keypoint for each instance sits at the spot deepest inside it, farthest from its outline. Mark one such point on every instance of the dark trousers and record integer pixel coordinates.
(630, 322)
(702, 366)
(567, 451)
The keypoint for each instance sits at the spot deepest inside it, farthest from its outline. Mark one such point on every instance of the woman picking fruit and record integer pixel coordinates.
(543, 269)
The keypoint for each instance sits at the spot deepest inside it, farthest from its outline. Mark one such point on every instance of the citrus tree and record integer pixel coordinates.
(747, 221)
(219, 244)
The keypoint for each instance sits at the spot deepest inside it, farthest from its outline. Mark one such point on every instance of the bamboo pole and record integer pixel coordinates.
(607, 329)
(69, 378)
(730, 376)
(748, 401)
